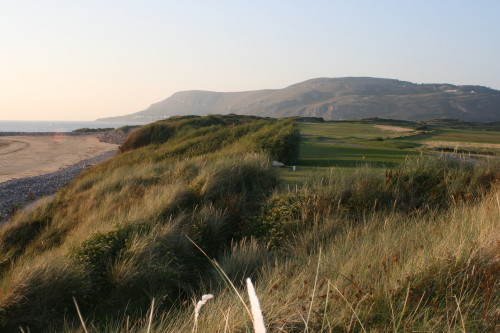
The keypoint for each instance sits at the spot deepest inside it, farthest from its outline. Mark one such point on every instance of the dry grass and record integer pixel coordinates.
(379, 276)
(412, 249)
(387, 272)
(114, 238)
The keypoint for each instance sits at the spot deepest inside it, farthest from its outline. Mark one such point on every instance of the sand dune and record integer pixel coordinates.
(27, 156)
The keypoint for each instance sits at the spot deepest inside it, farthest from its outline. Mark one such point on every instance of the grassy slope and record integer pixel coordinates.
(115, 237)
(410, 248)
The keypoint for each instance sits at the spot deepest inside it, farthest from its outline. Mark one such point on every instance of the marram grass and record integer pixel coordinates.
(408, 249)
(390, 273)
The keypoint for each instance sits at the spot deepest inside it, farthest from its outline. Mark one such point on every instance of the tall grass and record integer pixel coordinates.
(392, 272)
(114, 238)
(381, 269)
(410, 249)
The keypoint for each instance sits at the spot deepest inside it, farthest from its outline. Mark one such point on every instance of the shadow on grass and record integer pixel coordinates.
(345, 163)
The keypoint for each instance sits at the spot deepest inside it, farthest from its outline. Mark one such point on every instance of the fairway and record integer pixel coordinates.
(346, 130)
(382, 144)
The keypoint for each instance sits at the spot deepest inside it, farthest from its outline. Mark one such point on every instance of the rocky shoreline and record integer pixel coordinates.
(16, 193)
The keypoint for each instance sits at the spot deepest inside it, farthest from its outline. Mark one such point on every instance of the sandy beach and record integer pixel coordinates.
(28, 156)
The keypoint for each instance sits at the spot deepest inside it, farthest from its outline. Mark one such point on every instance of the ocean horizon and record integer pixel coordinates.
(57, 126)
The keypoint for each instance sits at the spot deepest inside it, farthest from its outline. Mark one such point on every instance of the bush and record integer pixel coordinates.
(158, 132)
(278, 219)
(98, 253)
(125, 130)
(92, 130)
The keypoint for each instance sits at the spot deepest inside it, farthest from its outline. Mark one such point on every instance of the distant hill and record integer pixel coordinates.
(334, 99)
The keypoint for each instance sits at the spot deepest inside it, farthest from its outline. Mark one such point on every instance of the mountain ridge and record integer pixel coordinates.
(335, 99)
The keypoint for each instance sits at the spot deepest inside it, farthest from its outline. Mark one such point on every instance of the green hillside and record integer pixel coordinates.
(383, 241)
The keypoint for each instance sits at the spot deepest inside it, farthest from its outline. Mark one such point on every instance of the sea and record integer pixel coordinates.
(56, 126)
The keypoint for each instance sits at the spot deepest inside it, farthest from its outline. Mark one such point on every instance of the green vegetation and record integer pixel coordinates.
(406, 244)
(385, 143)
(116, 236)
(125, 130)
(92, 130)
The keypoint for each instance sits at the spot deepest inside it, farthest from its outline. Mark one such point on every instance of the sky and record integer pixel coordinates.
(81, 60)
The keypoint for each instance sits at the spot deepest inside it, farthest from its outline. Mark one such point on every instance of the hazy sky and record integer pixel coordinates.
(80, 60)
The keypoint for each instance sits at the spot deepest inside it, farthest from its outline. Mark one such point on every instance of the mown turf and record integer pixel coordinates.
(351, 144)
(345, 130)
(459, 135)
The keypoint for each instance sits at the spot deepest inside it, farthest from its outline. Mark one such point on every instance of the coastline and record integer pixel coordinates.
(16, 193)
(47, 133)
(33, 165)
(32, 155)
